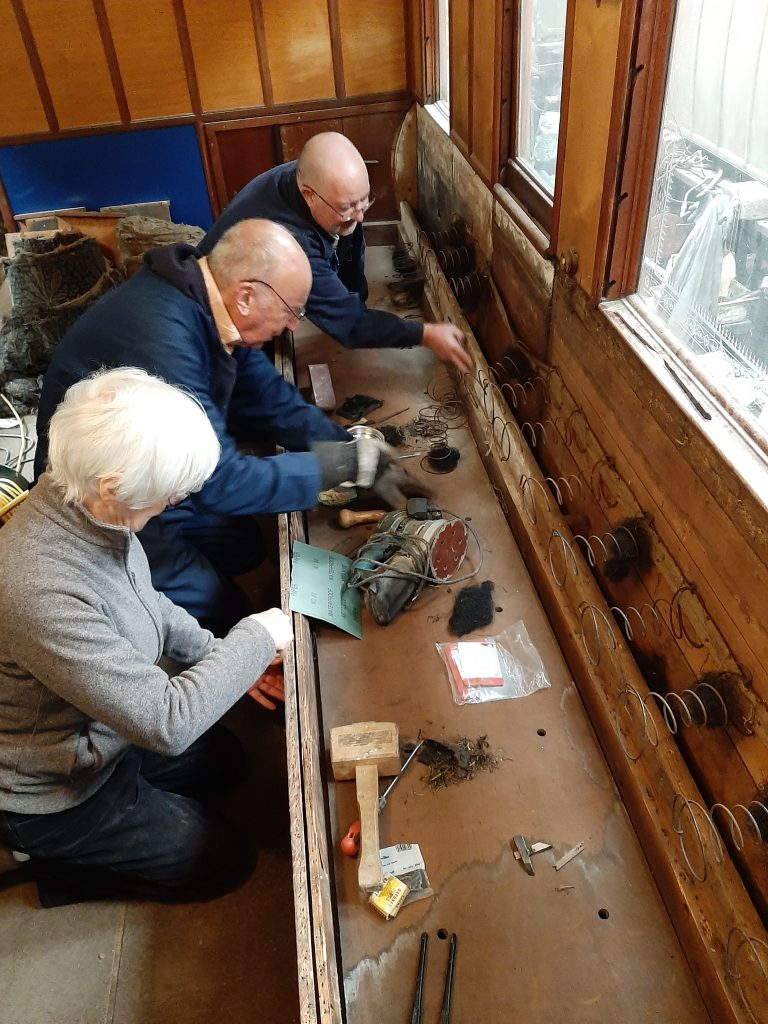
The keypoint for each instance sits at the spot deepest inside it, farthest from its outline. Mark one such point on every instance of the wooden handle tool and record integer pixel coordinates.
(369, 872)
(349, 518)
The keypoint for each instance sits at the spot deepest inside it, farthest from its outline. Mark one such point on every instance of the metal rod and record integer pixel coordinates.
(388, 790)
(445, 1013)
(416, 1011)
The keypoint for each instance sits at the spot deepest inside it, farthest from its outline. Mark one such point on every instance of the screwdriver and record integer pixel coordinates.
(350, 844)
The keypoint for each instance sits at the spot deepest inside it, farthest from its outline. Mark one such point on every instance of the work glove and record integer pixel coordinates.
(369, 464)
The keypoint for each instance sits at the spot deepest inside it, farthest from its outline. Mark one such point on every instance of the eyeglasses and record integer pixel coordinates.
(350, 212)
(298, 312)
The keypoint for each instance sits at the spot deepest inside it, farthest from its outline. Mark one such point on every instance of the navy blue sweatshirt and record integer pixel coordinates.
(336, 303)
(160, 320)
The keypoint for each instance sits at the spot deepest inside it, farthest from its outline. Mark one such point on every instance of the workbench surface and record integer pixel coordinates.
(590, 943)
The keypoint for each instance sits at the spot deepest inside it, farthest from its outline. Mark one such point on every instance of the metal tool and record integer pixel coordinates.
(567, 857)
(445, 1012)
(535, 848)
(394, 782)
(525, 853)
(417, 998)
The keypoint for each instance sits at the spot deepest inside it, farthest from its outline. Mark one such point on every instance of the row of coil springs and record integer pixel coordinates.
(455, 255)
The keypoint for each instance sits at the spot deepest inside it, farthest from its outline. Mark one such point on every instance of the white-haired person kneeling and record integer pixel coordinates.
(103, 757)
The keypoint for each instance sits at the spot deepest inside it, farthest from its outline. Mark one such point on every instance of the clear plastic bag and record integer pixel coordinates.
(495, 667)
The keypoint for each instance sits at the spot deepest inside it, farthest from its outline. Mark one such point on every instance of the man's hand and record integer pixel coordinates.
(271, 684)
(369, 464)
(447, 342)
(391, 482)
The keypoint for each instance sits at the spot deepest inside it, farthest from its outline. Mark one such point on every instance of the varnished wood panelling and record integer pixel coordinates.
(21, 109)
(293, 136)
(460, 124)
(149, 56)
(374, 135)
(373, 45)
(73, 60)
(299, 47)
(224, 48)
(485, 70)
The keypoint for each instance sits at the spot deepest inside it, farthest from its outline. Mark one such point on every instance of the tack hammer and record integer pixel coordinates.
(363, 751)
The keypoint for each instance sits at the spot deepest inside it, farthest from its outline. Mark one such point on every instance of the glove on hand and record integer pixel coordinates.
(370, 464)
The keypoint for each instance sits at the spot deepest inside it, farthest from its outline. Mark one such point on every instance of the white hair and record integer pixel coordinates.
(155, 439)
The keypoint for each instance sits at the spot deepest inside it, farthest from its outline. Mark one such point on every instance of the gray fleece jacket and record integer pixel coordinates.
(81, 633)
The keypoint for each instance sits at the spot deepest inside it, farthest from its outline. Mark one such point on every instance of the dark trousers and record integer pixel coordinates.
(144, 835)
(195, 555)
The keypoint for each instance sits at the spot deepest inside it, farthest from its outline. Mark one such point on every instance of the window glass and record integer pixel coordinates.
(443, 54)
(705, 261)
(540, 79)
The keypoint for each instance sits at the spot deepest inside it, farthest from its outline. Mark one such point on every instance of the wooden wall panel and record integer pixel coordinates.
(149, 56)
(374, 135)
(373, 57)
(460, 122)
(485, 70)
(293, 136)
(245, 153)
(299, 47)
(21, 109)
(224, 49)
(74, 62)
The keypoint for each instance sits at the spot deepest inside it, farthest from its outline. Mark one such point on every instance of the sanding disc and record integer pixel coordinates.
(449, 546)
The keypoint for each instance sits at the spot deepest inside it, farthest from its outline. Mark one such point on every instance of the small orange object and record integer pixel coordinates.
(350, 844)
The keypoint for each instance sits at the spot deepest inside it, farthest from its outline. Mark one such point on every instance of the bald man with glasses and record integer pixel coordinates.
(199, 322)
(322, 198)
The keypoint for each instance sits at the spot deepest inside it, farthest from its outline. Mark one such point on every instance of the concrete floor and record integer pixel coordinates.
(233, 959)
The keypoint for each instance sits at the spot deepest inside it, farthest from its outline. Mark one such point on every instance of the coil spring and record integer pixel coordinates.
(732, 951)
(672, 719)
(675, 621)
(457, 260)
(589, 544)
(530, 487)
(468, 290)
(445, 412)
(574, 484)
(454, 235)
(684, 805)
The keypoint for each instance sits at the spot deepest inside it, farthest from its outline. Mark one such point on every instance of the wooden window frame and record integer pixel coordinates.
(638, 104)
(515, 177)
(646, 35)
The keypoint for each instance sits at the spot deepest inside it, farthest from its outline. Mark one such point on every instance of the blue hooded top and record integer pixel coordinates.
(160, 320)
(336, 303)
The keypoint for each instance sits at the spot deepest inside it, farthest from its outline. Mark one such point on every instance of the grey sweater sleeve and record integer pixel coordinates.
(184, 639)
(71, 647)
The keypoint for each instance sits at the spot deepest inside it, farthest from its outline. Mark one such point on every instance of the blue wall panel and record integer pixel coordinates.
(107, 170)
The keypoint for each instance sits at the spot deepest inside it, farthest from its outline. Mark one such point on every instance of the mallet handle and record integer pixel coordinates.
(369, 873)
(349, 518)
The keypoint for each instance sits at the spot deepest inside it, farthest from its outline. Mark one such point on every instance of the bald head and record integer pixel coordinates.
(257, 248)
(330, 159)
(333, 180)
(263, 276)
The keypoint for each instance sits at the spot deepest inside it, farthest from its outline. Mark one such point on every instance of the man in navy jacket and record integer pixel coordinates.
(321, 198)
(200, 323)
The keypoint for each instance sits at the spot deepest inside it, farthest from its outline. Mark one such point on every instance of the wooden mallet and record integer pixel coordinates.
(364, 751)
